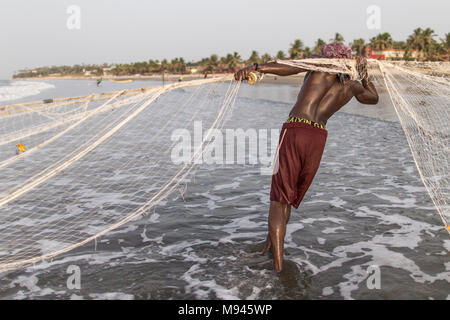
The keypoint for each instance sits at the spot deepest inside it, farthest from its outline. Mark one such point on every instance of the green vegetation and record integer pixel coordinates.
(421, 45)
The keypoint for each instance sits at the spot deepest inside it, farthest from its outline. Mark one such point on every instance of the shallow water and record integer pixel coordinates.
(367, 207)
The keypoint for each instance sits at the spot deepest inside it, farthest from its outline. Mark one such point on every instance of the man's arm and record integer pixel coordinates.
(365, 92)
(270, 67)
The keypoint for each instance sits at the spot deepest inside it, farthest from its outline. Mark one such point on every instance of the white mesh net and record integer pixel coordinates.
(62, 161)
(420, 94)
(422, 105)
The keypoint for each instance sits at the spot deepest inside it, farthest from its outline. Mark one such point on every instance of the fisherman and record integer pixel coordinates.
(303, 136)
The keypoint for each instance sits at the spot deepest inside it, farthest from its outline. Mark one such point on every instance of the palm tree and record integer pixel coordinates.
(154, 66)
(307, 52)
(296, 50)
(226, 61)
(231, 61)
(381, 41)
(338, 38)
(414, 41)
(213, 60)
(177, 65)
(237, 58)
(444, 53)
(211, 63)
(359, 46)
(280, 55)
(422, 41)
(181, 67)
(266, 58)
(446, 41)
(399, 44)
(318, 47)
(427, 39)
(254, 57)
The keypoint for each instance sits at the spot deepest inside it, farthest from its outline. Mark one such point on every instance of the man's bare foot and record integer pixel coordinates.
(277, 264)
(267, 246)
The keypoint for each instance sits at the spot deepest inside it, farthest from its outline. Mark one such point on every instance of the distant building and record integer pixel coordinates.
(107, 71)
(390, 54)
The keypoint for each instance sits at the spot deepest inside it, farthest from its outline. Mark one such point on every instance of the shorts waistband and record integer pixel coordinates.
(315, 130)
(303, 120)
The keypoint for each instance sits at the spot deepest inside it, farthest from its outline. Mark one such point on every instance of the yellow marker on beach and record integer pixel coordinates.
(252, 78)
(21, 147)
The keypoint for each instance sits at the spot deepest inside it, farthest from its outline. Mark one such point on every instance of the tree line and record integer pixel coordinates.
(422, 42)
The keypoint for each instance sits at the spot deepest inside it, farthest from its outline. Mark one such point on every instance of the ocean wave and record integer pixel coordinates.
(21, 89)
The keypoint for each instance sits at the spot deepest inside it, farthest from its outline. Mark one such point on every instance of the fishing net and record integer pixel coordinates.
(73, 169)
(422, 104)
(420, 95)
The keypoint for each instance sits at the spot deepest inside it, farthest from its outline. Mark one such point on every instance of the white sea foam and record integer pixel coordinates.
(21, 89)
(327, 291)
(203, 288)
(111, 296)
(147, 239)
(378, 249)
(180, 246)
(233, 185)
(30, 284)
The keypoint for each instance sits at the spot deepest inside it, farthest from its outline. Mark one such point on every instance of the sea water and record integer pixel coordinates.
(367, 212)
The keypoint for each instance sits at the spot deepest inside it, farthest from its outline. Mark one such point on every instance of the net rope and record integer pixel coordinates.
(73, 169)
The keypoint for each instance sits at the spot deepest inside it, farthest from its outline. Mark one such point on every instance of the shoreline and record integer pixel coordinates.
(171, 77)
(273, 79)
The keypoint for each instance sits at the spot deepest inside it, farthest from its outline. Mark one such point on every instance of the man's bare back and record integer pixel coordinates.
(321, 95)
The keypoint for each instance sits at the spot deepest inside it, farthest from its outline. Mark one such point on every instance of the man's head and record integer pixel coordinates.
(336, 51)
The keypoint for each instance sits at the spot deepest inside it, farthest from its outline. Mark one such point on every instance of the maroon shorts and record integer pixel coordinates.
(298, 158)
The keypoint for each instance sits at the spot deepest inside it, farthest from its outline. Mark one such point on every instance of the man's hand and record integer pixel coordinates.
(361, 67)
(243, 73)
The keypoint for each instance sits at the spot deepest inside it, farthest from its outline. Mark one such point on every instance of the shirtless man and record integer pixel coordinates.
(303, 136)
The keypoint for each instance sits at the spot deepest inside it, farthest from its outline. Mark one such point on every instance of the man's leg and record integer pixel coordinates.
(279, 215)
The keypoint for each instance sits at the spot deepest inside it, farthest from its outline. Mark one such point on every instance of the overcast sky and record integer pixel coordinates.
(35, 33)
